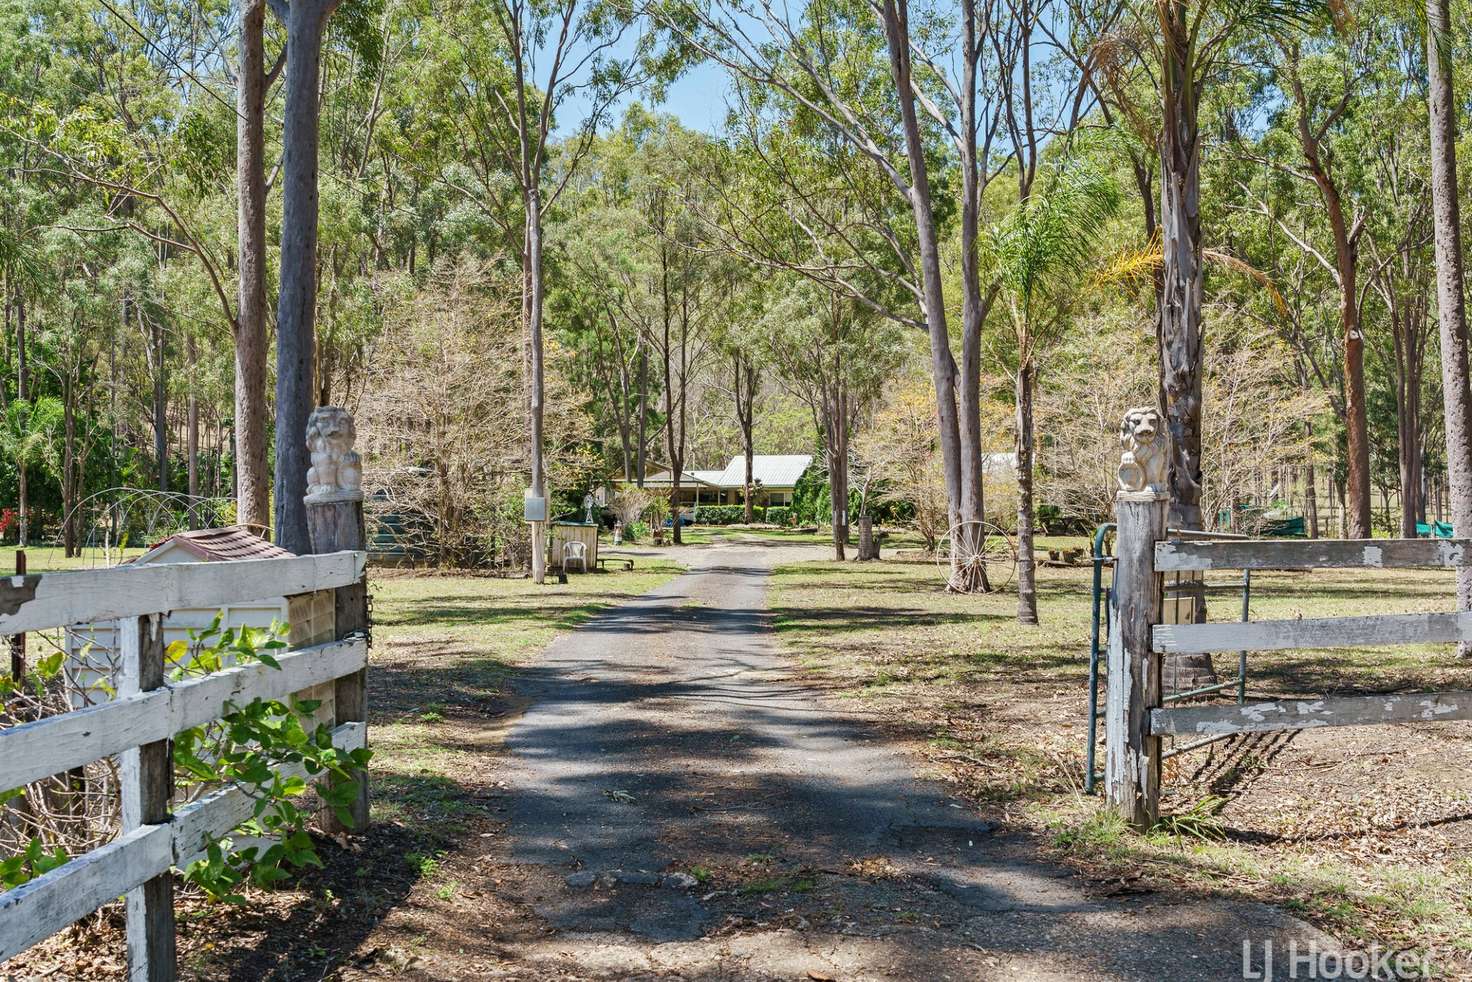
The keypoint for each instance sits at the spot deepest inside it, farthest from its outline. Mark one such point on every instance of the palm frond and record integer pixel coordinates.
(1132, 267)
(1055, 232)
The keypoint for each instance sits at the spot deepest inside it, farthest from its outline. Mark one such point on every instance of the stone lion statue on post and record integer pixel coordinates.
(337, 470)
(1142, 466)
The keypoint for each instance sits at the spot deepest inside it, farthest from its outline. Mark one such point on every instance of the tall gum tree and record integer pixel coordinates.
(296, 312)
(1450, 280)
(554, 51)
(937, 115)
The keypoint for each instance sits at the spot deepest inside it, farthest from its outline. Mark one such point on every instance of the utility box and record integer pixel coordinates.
(535, 508)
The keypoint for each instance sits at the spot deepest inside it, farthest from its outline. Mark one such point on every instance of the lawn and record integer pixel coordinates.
(45, 559)
(1366, 831)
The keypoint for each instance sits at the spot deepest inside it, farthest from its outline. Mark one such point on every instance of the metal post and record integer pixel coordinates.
(1242, 655)
(1099, 559)
(18, 641)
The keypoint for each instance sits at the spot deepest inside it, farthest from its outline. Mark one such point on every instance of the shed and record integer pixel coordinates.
(92, 654)
(565, 532)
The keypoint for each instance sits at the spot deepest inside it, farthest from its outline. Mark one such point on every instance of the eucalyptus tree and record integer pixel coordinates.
(1184, 46)
(252, 81)
(550, 57)
(835, 354)
(296, 309)
(1322, 91)
(822, 65)
(1040, 252)
(1450, 278)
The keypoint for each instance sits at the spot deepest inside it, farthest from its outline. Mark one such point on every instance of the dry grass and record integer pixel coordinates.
(1365, 831)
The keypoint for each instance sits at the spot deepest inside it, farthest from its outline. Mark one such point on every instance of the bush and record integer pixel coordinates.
(634, 531)
(779, 515)
(721, 514)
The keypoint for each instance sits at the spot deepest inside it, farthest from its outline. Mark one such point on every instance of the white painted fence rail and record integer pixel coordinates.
(1187, 556)
(36, 602)
(137, 726)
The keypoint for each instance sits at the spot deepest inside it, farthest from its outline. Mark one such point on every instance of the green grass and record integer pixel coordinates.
(708, 534)
(46, 559)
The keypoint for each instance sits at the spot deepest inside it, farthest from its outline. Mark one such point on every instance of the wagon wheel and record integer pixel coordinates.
(986, 557)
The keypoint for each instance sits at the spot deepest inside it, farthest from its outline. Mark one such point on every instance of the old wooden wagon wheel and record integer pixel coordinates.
(985, 558)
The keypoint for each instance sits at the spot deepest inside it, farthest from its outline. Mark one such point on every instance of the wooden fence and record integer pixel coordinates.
(327, 657)
(1136, 718)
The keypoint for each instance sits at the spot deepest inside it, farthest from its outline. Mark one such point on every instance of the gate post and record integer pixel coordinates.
(334, 503)
(1132, 755)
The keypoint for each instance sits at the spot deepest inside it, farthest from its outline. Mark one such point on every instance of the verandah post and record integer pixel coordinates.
(334, 504)
(147, 779)
(1132, 755)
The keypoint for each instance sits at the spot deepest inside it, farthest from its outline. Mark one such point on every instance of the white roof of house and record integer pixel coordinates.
(772, 470)
(686, 477)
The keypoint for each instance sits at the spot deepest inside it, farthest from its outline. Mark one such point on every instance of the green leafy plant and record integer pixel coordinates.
(261, 748)
(1200, 821)
(33, 862)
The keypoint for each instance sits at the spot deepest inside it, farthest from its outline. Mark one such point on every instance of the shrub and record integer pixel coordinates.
(779, 515)
(721, 514)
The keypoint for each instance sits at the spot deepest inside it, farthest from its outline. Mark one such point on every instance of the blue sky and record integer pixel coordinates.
(698, 98)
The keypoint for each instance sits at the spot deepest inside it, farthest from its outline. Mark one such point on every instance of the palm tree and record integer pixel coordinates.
(28, 438)
(1038, 254)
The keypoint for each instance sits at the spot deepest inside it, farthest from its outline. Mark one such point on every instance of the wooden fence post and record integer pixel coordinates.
(147, 777)
(334, 504)
(1132, 755)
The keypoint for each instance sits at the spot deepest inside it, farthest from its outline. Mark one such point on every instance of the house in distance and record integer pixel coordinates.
(774, 476)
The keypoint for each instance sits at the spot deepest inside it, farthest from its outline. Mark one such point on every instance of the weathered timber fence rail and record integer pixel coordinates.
(326, 662)
(1136, 716)
(139, 724)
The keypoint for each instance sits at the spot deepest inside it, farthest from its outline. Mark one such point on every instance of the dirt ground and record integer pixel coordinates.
(1362, 832)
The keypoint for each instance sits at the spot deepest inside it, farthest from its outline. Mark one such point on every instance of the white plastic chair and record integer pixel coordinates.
(575, 551)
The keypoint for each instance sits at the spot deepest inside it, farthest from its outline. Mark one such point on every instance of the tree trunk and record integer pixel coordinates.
(1180, 331)
(745, 393)
(160, 405)
(22, 392)
(969, 533)
(643, 448)
(252, 478)
(536, 386)
(296, 315)
(1310, 495)
(22, 365)
(69, 468)
(192, 452)
(1450, 285)
(1027, 596)
(835, 405)
(943, 364)
(23, 494)
(1181, 278)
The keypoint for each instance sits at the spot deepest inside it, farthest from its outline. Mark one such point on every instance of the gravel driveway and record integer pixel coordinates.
(682, 805)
